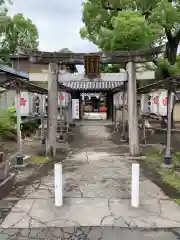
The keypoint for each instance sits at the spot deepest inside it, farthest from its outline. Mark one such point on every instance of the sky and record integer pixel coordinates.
(58, 23)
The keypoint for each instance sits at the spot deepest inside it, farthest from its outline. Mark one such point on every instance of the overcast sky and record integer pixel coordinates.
(58, 23)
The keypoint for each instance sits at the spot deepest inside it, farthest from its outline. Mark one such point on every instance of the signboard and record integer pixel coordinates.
(24, 103)
(144, 103)
(158, 103)
(154, 102)
(64, 97)
(92, 66)
(121, 94)
(44, 104)
(75, 108)
(116, 100)
(163, 101)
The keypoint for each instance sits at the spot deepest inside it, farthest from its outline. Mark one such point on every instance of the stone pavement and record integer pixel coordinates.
(87, 233)
(97, 186)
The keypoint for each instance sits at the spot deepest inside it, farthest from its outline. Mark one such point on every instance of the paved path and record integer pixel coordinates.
(97, 183)
(86, 233)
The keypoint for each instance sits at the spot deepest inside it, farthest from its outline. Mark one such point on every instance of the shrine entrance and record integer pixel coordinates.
(93, 106)
(91, 81)
(95, 98)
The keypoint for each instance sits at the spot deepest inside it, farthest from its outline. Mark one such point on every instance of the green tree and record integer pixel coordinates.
(132, 24)
(4, 21)
(19, 33)
(3, 12)
(111, 68)
(65, 50)
(166, 69)
(71, 67)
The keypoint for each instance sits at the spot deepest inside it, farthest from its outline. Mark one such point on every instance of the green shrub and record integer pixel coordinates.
(30, 127)
(7, 125)
(12, 109)
(8, 129)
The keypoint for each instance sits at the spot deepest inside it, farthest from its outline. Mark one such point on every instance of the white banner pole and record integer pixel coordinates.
(135, 185)
(58, 185)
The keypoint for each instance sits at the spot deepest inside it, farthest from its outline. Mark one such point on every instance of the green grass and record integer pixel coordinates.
(169, 176)
(176, 200)
(38, 160)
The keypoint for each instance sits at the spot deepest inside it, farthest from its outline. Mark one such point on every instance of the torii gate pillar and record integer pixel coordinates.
(132, 110)
(52, 109)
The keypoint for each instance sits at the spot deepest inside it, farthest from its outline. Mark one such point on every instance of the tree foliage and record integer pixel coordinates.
(19, 33)
(165, 69)
(65, 50)
(4, 18)
(8, 125)
(132, 24)
(111, 68)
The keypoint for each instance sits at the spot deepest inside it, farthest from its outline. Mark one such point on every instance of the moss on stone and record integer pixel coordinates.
(38, 160)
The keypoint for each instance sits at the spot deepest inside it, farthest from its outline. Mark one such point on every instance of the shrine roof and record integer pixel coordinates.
(175, 81)
(93, 85)
(12, 79)
(22, 85)
(71, 66)
(13, 72)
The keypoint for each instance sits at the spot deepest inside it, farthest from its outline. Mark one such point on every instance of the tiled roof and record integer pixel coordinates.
(18, 80)
(93, 85)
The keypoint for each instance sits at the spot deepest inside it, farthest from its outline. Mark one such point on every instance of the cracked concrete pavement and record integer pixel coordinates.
(86, 233)
(97, 187)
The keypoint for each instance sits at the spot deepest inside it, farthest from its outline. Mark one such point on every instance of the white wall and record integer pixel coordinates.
(146, 75)
(10, 98)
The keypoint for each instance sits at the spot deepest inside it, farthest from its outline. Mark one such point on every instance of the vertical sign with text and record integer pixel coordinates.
(75, 108)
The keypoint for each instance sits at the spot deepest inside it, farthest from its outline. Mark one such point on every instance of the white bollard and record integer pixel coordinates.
(58, 185)
(135, 185)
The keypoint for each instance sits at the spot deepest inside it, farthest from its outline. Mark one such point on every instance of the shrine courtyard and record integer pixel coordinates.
(97, 190)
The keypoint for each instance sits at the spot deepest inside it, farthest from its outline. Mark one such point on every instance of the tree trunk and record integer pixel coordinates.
(172, 118)
(171, 51)
(170, 54)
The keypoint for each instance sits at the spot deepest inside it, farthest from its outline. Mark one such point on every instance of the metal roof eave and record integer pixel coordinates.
(64, 88)
(23, 86)
(12, 79)
(14, 72)
(120, 88)
(160, 84)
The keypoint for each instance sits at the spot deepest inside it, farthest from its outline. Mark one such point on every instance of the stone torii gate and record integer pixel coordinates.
(127, 58)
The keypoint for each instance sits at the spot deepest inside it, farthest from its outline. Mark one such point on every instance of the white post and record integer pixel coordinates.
(58, 185)
(42, 117)
(135, 185)
(5, 100)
